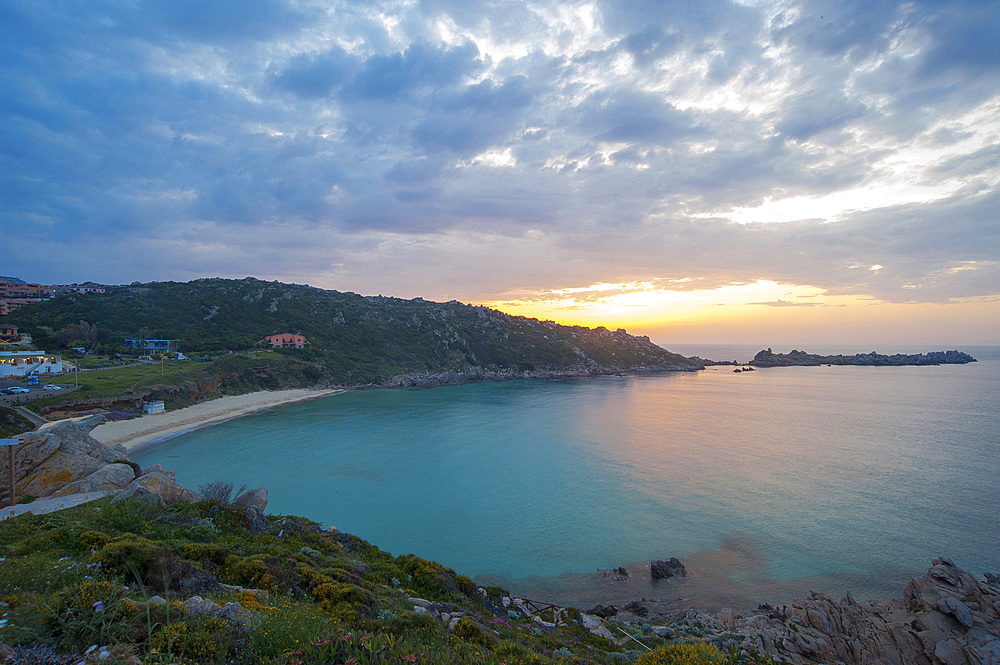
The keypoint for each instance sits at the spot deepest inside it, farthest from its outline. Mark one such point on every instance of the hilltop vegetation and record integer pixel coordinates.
(353, 339)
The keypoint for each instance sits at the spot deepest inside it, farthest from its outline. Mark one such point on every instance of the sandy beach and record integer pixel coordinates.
(139, 432)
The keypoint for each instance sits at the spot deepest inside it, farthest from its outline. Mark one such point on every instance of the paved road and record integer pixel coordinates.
(50, 504)
(31, 415)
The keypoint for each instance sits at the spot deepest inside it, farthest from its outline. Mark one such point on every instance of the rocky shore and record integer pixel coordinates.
(945, 617)
(478, 374)
(793, 358)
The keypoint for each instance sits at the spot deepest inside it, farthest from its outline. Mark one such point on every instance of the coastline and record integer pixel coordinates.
(140, 433)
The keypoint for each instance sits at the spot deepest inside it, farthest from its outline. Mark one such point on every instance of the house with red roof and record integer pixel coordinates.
(286, 341)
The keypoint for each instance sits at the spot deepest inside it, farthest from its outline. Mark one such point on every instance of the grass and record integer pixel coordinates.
(86, 576)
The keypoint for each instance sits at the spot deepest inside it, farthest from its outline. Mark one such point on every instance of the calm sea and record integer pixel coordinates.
(765, 484)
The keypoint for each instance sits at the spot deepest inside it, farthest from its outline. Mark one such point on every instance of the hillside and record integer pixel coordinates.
(355, 339)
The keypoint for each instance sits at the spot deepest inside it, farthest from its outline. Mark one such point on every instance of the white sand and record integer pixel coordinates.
(138, 432)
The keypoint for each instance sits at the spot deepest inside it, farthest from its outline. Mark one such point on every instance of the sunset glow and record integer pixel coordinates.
(721, 168)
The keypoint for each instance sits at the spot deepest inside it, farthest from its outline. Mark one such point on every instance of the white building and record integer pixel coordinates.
(25, 363)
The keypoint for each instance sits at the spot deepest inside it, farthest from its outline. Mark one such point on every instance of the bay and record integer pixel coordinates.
(765, 484)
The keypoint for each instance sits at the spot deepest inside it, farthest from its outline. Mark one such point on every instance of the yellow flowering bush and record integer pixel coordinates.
(699, 653)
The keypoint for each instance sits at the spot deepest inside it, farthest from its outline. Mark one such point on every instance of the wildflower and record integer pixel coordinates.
(89, 649)
(98, 606)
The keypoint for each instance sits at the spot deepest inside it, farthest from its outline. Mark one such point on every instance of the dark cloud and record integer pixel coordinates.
(420, 68)
(216, 21)
(628, 116)
(964, 36)
(843, 27)
(315, 75)
(586, 144)
(820, 109)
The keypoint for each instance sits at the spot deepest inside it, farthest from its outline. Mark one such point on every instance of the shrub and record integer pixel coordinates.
(469, 630)
(215, 554)
(220, 492)
(260, 571)
(514, 654)
(127, 553)
(466, 585)
(410, 622)
(700, 653)
(93, 540)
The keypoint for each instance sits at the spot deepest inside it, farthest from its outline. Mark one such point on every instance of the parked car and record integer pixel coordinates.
(51, 386)
(17, 389)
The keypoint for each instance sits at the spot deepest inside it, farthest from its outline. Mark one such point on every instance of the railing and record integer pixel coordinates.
(548, 612)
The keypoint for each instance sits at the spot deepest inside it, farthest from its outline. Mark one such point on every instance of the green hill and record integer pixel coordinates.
(354, 339)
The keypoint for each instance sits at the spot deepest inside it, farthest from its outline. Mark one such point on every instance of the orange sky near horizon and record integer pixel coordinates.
(762, 312)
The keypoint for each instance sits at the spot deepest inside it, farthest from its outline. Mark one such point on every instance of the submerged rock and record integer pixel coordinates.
(660, 570)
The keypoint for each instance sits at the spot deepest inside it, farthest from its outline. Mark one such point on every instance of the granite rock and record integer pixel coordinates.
(109, 478)
(256, 499)
(946, 617)
(660, 570)
(60, 453)
(162, 483)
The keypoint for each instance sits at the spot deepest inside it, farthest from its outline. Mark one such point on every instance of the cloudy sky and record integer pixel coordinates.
(786, 171)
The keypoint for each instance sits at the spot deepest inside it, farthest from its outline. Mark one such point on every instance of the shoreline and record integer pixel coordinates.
(141, 433)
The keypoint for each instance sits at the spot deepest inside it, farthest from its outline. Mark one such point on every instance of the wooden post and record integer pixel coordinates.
(10, 458)
(10, 443)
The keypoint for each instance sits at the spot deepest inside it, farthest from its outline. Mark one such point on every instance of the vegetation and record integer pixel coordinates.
(130, 579)
(353, 339)
(13, 423)
(184, 382)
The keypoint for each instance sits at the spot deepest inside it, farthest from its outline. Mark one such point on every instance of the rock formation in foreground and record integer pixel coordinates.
(61, 458)
(945, 617)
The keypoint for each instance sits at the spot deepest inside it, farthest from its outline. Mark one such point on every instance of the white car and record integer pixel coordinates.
(51, 386)
(18, 389)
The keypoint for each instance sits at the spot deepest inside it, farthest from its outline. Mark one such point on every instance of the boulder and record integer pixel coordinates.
(109, 478)
(138, 492)
(614, 575)
(256, 499)
(60, 453)
(660, 570)
(163, 484)
(603, 611)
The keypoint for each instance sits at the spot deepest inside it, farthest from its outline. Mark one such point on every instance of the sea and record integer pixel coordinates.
(764, 484)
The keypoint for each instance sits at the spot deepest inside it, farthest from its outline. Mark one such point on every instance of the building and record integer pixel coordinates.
(153, 345)
(15, 292)
(86, 287)
(10, 288)
(153, 407)
(8, 333)
(25, 363)
(286, 341)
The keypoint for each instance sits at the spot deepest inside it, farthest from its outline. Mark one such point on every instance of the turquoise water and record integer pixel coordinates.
(765, 484)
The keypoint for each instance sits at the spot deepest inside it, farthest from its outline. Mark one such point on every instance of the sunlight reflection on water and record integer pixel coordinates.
(765, 484)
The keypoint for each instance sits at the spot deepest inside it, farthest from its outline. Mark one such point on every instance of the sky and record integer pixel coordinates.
(774, 172)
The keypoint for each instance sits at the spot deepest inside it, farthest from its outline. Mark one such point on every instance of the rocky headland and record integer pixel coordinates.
(767, 358)
(945, 617)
